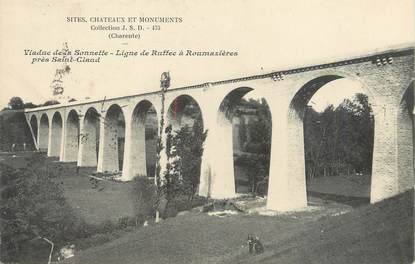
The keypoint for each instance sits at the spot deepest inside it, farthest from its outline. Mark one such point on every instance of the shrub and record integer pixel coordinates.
(145, 198)
(126, 221)
(32, 206)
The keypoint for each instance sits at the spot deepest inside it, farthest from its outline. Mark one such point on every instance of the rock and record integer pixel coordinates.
(208, 207)
(183, 213)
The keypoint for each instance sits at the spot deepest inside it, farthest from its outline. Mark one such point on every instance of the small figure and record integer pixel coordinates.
(94, 183)
(13, 146)
(254, 244)
(24, 146)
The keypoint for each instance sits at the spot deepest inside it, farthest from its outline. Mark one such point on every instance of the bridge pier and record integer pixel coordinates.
(88, 136)
(287, 179)
(108, 147)
(217, 178)
(55, 136)
(70, 144)
(43, 133)
(62, 141)
(135, 148)
(385, 160)
(393, 164)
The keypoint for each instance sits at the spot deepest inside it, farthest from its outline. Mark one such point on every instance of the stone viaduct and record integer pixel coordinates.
(86, 132)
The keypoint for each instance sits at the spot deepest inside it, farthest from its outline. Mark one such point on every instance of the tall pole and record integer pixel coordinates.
(164, 84)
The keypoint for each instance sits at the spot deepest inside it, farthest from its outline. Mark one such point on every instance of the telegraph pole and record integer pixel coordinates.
(164, 84)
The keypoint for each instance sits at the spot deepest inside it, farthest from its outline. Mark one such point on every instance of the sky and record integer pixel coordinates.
(268, 36)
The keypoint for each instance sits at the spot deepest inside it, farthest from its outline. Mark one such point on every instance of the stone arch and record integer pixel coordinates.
(184, 114)
(56, 135)
(298, 104)
(143, 137)
(71, 137)
(226, 107)
(183, 110)
(296, 167)
(405, 137)
(43, 136)
(113, 140)
(89, 138)
(34, 127)
(225, 183)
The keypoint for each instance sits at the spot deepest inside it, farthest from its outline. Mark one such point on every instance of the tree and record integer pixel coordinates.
(32, 206)
(30, 105)
(188, 150)
(170, 184)
(16, 103)
(257, 159)
(339, 139)
(51, 102)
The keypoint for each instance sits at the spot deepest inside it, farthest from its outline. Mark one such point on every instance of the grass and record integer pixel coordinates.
(109, 201)
(381, 233)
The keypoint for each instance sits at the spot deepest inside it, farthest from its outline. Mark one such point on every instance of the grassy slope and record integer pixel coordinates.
(381, 233)
(109, 201)
(14, 129)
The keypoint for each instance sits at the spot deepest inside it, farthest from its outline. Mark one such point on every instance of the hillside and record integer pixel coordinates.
(381, 233)
(14, 129)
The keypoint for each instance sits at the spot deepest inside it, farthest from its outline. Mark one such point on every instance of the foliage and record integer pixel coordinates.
(32, 206)
(16, 103)
(159, 148)
(14, 129)
(51, 102)
(339, 140)
(145, 195)
(30, 105)
(184, 149)
(256, 160)
(188, 148)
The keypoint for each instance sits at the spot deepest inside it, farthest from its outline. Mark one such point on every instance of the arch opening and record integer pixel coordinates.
(114, 138)
(90, 139)
(184, 111)
(184, 141)
(144, 135)
(245, 120)
(56, 135)
(43, 136)
(331, 128)
(405, 129)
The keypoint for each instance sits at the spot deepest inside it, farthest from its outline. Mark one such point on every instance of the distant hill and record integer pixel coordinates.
(14, 129)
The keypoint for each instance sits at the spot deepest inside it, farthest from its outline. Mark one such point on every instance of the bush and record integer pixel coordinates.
(51, 102)
(32, 206)
(145, 198)
(127, 221)
(170, 210)
(182, 203)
